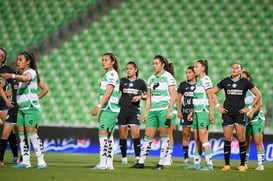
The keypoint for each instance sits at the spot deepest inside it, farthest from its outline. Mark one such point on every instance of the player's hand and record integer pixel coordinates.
(222, 110)
(190, 116)
(144, 118)
(95, 111)
(244, 110)
(169, 115)
(250, 116)
(211, 119)
(179, 114)
(9, 103)
(6, 75)
(136, 98)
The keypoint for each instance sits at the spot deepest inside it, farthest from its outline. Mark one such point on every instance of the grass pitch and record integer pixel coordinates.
(77, 167)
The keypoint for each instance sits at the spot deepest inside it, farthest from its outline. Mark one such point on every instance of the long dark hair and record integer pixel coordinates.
(134, 65)
(248, 76)
(204, 64)
(33, 65)
(114, 59)
(168, 66)
(4, 54)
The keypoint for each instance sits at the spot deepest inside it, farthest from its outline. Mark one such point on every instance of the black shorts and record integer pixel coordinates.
(128, 117)
(231, 119)
(12, 116)
(4, 108)
(184, 122)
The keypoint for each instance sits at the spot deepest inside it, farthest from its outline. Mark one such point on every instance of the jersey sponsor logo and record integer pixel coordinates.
(15, 87)
(192, 87)
(234, 92)
(130, 91)
(155, 85)
(188, 94)
(131, 85)
(234, 85)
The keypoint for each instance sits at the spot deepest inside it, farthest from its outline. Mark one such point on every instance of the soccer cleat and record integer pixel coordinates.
(158, 167)
(2, 163)
(207, 168)
(186, 161)
(124, 160)
(109, 168)
(260, 168)
(242, 168)
(245, 166)
(43, 166)
(137, 159)
(98, 167)
(226, 168)
(138, 165)
(22, 165)
(194, 166)
(15, 161)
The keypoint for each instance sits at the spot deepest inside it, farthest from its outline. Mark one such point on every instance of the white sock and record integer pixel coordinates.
(25, 150)
(35, 140)
(170, 152)
(260, 159)
(164, 149)
(110, 152)
(247, 157)
(145, 149)
(208, 153)
(197, 157)
(103, 150)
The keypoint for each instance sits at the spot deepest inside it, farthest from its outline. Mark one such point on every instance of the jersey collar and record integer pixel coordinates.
(235, 80)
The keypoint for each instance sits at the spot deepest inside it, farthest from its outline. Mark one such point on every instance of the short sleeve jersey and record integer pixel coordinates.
(235, 92)
(248, 100)
(7, 69)
(129, 89)
(186, 89)
(159, 87)
(110, 78)
(200, 97)
(27, 91)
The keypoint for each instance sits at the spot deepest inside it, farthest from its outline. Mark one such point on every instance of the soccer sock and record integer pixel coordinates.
(123, 147)
(260, 156)
(186, 152)
(247, 156)
(227, 150)
(170, 152)
(208, 157)
(13, 144)
(164, 149)
(145, 149)
(242, 148)
(137, 146)
(197, 157)
(3, 146)
(35, 140)
(25, 148)
(110, 151)
(103, 149)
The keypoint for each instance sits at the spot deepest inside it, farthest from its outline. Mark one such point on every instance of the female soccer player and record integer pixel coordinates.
(186, 90)
(234, 110)
(132, 89)
(109, 93)
(29, 112)
(202, 116)
(255, 126)
(11, 138)
(159, 104)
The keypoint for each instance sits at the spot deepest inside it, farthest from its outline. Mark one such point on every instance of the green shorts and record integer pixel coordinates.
(256, 127)
(108, 120)
(201, 120)
(158, 119)
(29, 118)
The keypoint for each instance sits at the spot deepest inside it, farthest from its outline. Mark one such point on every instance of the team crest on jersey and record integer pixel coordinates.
(234, 85)
(192, 87)
(162, 79)
(131, 85)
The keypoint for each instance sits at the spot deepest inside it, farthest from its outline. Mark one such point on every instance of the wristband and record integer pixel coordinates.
(13, 76)
(249, 107)
(217, 105)
(99, 105)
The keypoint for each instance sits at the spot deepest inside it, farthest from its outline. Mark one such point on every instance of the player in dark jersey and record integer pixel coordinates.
(186, 90)
(234, 111)
(132, 89)
(11, 138)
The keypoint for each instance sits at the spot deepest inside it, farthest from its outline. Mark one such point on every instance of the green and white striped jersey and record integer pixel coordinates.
(27, 91)
(159, 87)
(248, 100)
(110, 78)
(200, 98)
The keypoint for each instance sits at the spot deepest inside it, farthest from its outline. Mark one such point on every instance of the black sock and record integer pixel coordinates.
(186, 152)
(13, 144)
(123, 147)
(3, 146)
(242, 152)
(137, 146)
(227, 150)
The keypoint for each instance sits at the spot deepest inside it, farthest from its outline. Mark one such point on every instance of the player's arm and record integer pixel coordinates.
(258, 97)
(147, 106)
(220, 108)
(172, 92)
(20, 78)
(255, 110)
(4, 96)
(44, 90)
(211, 94)
(178, 105)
